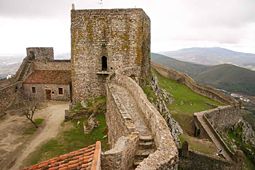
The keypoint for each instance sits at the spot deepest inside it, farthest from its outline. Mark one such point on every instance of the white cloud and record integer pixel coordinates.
(175, 24)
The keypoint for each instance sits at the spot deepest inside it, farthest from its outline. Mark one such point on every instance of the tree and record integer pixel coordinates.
(30, 108)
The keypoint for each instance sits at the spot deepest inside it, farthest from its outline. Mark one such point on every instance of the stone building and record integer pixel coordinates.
(48, 79)
(104, 40)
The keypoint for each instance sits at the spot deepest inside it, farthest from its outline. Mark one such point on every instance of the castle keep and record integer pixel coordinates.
(106, 40)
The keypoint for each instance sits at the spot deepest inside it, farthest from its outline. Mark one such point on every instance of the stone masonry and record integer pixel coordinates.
(103, 41)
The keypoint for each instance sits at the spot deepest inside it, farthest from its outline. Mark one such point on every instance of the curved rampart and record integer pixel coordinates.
(122, 135)
(166, 155)
(189, 82)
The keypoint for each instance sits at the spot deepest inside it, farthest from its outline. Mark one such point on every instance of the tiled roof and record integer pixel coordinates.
(49, 77)
(84, 159)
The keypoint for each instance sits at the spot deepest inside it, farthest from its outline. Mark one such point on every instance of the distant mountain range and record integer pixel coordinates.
(224, 76)
(9, 65)
(213, 56)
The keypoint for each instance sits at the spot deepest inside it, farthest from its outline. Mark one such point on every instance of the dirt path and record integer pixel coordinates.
(54, 115)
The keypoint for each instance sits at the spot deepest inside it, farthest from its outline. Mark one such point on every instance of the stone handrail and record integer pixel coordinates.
(166, 154)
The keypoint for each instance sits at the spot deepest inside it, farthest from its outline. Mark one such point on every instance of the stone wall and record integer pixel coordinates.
(41, 94)
(121, 156)
(8, 95)
(120, 35)
(122, 136)
(223, 117)
(166, 155)
(40, 53)
(200, 161)
(52, 65)
(189, 82)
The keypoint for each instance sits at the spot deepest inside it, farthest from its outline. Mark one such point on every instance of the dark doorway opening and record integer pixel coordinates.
(104, 63)
(48, 94)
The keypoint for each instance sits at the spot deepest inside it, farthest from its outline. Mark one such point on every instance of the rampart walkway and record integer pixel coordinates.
(200, 117)
(130, 106)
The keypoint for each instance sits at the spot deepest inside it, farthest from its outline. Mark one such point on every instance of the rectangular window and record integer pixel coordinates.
(60, 90)
(33, 90)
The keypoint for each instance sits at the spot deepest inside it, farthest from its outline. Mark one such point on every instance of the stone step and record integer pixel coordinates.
(143, 153)
(146, 145)
(137, 162)
(146, 138)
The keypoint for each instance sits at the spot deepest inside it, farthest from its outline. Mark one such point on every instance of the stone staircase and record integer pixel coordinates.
(128, 105)
(146, 147)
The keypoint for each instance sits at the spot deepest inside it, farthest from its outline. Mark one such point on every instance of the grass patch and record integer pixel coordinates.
(235, 137)
(39, 121)
(31, 129)
(150, 93)
(203, 146)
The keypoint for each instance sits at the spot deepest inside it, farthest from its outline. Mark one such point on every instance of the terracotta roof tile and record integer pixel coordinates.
(49, 77)
(85, 158)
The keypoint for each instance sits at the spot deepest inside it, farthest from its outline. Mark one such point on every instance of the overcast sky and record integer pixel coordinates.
(175, 24)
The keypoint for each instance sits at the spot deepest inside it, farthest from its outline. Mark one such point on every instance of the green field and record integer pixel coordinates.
(186, 102)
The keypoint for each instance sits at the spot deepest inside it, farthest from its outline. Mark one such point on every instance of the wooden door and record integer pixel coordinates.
(48, 94)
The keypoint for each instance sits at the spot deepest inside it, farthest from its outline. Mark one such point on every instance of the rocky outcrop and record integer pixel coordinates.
(163, 99)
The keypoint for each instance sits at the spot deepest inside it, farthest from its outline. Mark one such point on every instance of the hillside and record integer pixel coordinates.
(213, 56)
(224, 76)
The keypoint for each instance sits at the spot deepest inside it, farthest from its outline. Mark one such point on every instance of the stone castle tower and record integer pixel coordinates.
(103, 41)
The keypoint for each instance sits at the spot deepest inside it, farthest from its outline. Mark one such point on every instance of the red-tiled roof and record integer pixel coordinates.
(84, 159)
(49, 77)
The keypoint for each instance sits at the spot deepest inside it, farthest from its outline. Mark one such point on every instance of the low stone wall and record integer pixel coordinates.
(189, 82)
(52, 65)
(223, 117)
(166, 155)
(121, 156)
(200, 161)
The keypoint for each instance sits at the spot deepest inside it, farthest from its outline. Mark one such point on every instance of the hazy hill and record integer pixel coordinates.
(214, 56)
(182, 66)
(224, 76)
(9, 65)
